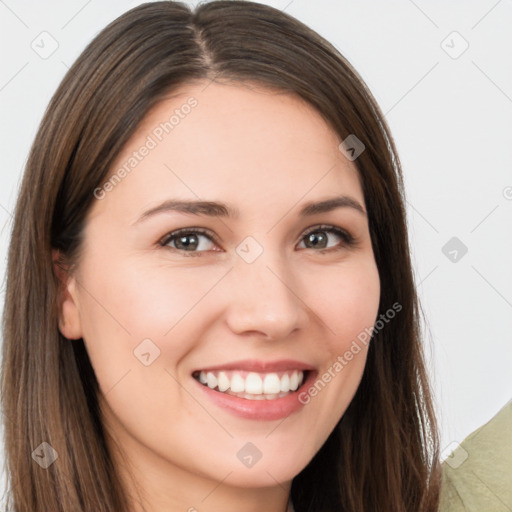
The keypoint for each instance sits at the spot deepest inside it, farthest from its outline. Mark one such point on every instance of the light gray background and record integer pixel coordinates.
(450, 114)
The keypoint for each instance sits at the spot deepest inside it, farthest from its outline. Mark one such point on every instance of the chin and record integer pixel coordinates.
(268, 474)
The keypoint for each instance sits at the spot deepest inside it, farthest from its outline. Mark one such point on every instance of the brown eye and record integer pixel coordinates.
(318, 239)
(327, 237)
(188, 240)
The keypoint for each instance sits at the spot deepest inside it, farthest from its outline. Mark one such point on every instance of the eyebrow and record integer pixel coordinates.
(219, 209)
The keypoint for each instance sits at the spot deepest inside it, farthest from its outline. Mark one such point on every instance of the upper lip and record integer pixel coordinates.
(253, 365)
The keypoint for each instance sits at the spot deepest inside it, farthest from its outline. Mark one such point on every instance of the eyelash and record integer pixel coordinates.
(348, 239)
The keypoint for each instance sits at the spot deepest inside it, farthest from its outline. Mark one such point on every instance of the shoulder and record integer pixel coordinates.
(478, 474)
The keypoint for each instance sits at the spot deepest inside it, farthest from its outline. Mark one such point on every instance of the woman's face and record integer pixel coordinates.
(267, 294)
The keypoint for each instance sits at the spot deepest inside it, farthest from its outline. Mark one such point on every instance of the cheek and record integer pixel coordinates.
(346, 300)
(128, 309)
(147, 300)
(138, 324)
(347, 303)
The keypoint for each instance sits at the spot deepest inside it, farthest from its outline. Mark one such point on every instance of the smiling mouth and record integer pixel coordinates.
(253, 385)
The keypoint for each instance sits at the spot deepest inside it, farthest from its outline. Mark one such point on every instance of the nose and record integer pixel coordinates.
(264, 299)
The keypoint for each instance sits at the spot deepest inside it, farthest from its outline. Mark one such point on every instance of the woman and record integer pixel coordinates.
(210, 302)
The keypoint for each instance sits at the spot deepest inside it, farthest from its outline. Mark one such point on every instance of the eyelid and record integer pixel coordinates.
(327, 227)
(348, 239)
(189, 230)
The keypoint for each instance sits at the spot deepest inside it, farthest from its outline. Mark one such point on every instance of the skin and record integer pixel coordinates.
(267, 154)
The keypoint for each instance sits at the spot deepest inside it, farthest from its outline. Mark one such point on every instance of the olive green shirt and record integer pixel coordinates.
(477, 477)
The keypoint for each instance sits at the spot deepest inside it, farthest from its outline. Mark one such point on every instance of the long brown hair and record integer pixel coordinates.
(383, 454)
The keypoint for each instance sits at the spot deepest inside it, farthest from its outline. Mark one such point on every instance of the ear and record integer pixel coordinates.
(69, 314)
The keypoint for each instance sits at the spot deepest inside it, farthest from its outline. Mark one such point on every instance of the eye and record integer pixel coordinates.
(195, 241)
(191, 240)
(324, 237)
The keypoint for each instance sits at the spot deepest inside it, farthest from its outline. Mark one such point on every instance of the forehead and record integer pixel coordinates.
(240, 143)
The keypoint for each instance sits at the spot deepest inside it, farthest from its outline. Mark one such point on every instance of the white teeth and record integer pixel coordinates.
(211, 380)
(285, 382)
(254, 396)
(271, 384)
(254, 386)
(294, 381)
(223, 381)
(237, 383)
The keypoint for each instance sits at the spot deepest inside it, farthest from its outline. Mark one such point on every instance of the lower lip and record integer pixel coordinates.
(276, 409)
